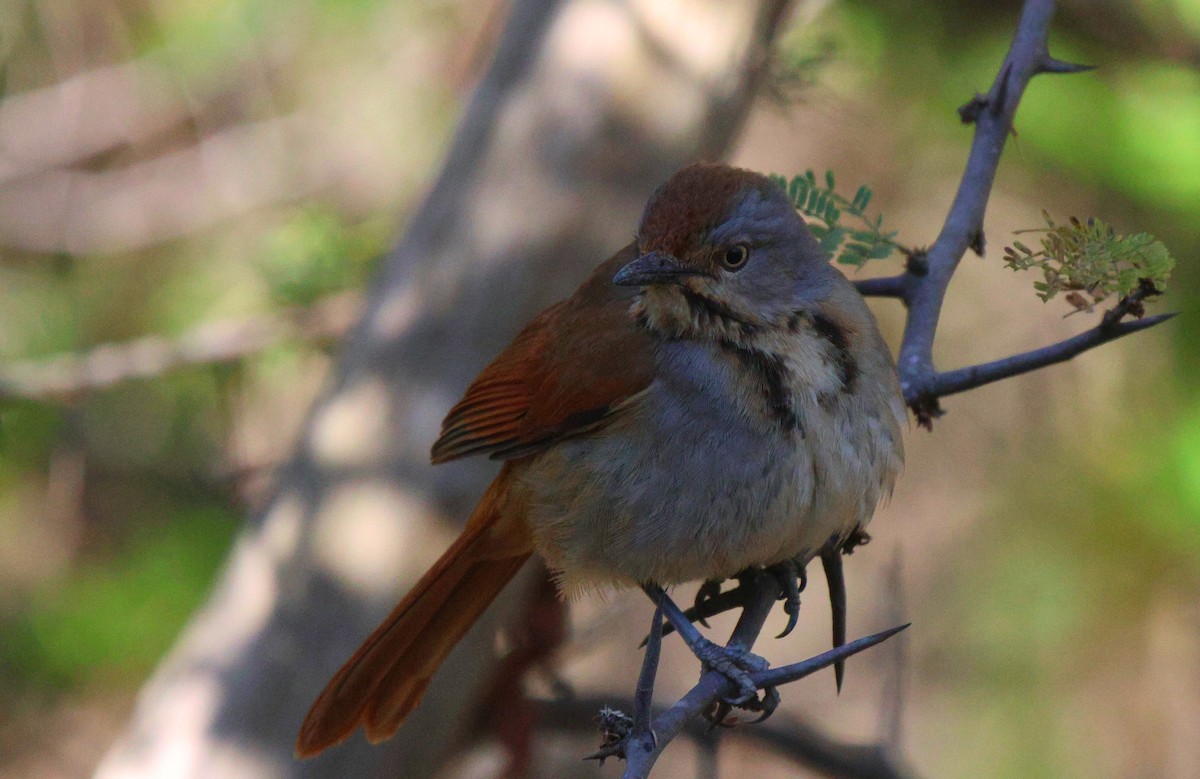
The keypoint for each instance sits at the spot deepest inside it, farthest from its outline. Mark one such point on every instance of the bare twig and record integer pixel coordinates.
(642, 735)
(945, 383)
(789, 736)
(884, 286)
(922, 394)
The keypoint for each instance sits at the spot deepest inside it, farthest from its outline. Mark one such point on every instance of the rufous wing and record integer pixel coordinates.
(563, 375)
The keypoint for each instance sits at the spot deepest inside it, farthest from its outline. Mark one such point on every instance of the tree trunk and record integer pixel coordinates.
(587, 106)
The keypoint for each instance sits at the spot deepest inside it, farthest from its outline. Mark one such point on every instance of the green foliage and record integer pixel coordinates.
(1091, 261)
(824, 208)
(800, 62)
(315, 254)
(110, 621)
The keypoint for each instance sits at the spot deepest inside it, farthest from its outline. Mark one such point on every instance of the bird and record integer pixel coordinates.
(715, 397)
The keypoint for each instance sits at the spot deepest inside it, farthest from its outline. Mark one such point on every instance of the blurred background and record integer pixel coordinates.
(194, 197)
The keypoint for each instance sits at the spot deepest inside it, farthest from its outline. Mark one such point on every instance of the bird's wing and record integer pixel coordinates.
(564, 374)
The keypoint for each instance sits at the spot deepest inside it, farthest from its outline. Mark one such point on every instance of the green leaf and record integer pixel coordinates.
(832, 240)
(862, 198)
(825, 209)
(1090, 258)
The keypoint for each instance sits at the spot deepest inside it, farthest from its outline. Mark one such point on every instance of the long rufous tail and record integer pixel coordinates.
(384, 680)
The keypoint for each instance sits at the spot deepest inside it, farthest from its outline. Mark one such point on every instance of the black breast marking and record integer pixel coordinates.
(716, 310)
(839, 348)
(772, 372)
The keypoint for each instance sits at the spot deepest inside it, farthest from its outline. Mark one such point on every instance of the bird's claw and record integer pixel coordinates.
(766, 706)
(792, 578)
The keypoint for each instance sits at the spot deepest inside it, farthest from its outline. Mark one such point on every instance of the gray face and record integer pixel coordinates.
(725, 247)
(784, 267)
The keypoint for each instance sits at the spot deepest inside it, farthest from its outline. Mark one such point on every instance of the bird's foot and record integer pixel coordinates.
(765, 703)
(736, 664)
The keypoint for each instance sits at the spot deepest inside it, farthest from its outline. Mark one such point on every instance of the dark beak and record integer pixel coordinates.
(653, 268)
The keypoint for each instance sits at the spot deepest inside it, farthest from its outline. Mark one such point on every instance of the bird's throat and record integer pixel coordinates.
(679, 311)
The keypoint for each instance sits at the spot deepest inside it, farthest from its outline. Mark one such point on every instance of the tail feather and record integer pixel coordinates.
(384, 680)
(400, 691)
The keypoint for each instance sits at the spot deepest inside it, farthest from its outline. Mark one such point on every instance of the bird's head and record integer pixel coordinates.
(722, 250)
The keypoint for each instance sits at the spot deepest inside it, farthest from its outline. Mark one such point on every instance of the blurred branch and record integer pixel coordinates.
(119, 107)
(120, 104)
(1135, 30)
(124, 156)
(224, 173)
(64, 378)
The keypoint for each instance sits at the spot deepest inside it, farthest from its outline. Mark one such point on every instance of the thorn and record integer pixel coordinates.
(790, 673)
(831, 560)
(969, 111)
(1049, 64)
(916, 262)
(926, 408)
(978, 242)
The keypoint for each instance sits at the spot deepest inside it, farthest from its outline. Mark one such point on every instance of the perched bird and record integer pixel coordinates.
(714, 397)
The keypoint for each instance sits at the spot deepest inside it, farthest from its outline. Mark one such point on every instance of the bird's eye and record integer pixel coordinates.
(735, 257)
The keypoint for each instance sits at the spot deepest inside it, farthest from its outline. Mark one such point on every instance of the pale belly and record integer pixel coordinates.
(684, 489)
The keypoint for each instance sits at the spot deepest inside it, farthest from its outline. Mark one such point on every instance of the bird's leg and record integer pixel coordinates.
(711, 601)
(710, 605)
(735, 662)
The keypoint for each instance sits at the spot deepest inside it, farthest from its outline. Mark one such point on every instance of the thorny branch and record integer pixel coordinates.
(786, 735)
(922, 288)
(714, 686)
